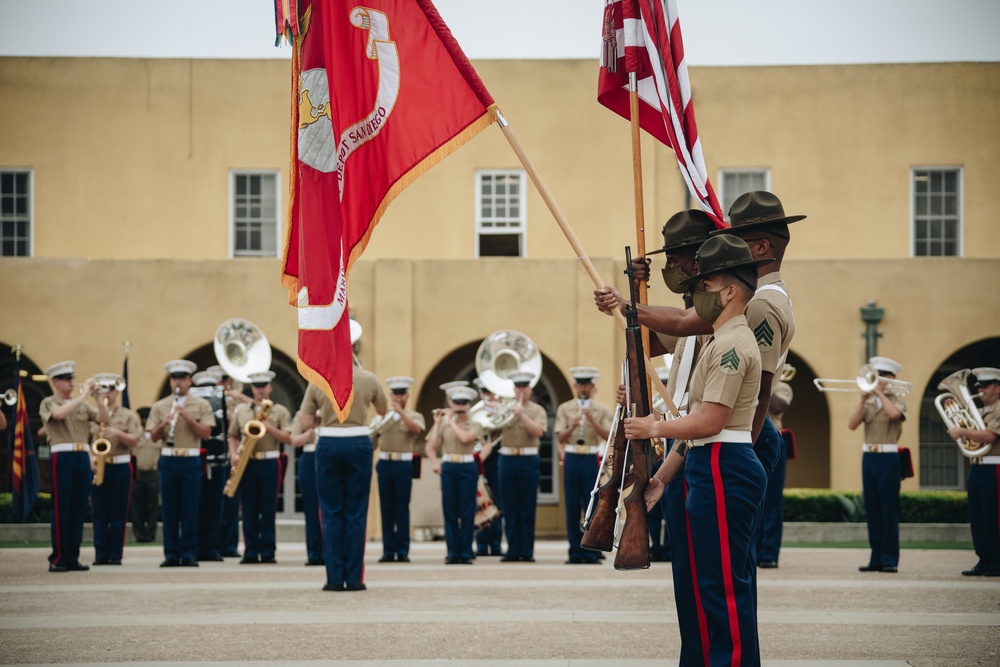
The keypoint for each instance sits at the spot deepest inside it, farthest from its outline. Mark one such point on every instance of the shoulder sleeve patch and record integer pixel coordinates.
(730, 361)
(764, 333)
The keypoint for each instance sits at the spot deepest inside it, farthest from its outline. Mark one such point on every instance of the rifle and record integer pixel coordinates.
(633, 546)
(600, 521)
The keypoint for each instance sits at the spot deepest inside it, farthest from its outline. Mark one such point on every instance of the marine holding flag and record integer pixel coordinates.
(403, 96)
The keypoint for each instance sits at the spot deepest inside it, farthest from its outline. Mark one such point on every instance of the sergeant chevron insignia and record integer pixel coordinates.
(764, 333)
(730, 360)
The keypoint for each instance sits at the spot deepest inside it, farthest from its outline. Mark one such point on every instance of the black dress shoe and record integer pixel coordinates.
(508, 559)
(451, 561)
(78, 567)
(465, 561)
(315, 562)
(115, 561)
(213, 558)
(767, 564)
(356, 587)
(170, 562)
(248, 560)
(387, 558)
(189, 562)
(591, 561)
(991, 573)
(527, 559)
(231, 554)
(57, 568)
(331, 587)
(974, 572)
(889, 568)
(403, 559)
(574, 561)
(102, 561)
(269, 560)
(870, 568)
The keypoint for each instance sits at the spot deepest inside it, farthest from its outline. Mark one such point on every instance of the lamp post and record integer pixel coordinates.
(871, 315)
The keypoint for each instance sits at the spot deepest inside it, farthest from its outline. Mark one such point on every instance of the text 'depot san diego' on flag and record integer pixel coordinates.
(644, 36)
(381, 93)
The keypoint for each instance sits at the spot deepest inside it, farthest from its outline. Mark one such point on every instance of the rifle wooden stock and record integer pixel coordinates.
(599, 530)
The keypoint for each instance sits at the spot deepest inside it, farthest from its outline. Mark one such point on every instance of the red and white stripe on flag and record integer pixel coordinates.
(644, 36)
(380, 93)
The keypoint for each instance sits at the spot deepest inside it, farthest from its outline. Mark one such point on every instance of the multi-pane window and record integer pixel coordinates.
(937, 212)
(255, 214)
(500, 213)
(735, 182)
(15, 213)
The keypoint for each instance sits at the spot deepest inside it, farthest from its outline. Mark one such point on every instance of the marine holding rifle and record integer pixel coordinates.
(717, 456)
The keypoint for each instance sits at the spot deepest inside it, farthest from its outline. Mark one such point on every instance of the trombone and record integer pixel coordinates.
(865, 382)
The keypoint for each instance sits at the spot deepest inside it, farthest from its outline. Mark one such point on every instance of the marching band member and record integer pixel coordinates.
(882, 413)
(304, 436)
(520, 470)
(66, 420)
(229, 531)
(214, 472)
(146, 486)
(258, 489)
(179, 423)
(110, 500)
(344, 475)
(984, 477)
(769, 536)
(582, 424)
(720, 464)
(396, 444)
(489, 538)
(456, 436)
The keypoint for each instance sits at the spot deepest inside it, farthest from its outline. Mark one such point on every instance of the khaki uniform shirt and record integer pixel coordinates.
(516, 435)
(279, 418)
(396, 437)
(769, 315)
(74, 428)
(367, 392)
(450, 444)
(198, 409)
(991, 419)
(125, 420)
(728, 372)
(147, 455)
(879, 430)
(568, 411)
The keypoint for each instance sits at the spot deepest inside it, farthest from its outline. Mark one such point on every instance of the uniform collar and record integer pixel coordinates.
(769, 278)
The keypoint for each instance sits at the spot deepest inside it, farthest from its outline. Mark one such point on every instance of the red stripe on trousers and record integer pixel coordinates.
(727, 564)
(702, 621)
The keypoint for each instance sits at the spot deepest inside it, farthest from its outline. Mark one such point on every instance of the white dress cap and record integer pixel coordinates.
(457, 383)
(584, 374)
(986, 374)
(203, 379)
(355, 332)
(261, 377)
(885, 364)
(62, 368)
(458, 393)
(521, 376)
(399, 382)
(106, 380)
(180, 366)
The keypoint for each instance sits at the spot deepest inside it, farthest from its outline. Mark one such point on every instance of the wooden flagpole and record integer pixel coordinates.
(574, 242)
(640, 218)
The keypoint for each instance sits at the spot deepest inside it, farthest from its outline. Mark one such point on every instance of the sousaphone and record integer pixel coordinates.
(499, 355)
(241, 348)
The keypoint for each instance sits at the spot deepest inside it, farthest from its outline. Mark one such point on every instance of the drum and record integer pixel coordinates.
(486, 509)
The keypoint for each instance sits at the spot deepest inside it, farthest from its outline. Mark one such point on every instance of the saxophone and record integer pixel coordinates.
(173, 422)
(253, 430)
(101, 448)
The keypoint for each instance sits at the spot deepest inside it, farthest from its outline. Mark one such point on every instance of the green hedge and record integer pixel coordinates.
(40, 513)
(841, 506)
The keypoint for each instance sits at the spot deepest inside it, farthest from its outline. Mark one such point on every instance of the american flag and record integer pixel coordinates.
(644, 36)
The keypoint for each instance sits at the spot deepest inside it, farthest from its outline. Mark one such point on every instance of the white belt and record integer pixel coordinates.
(69, 447)
(725, 435)
(121, 458)
(580, 449)
(880, 449)
(263, 456)
(458, 458)
(174, 451)
(347, 432)
(396, 456)
(519, 451)
(311, 447)
(985, 460)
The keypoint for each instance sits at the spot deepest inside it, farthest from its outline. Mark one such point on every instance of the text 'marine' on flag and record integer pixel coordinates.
(25, 481)
(381, 93)
(644, 36)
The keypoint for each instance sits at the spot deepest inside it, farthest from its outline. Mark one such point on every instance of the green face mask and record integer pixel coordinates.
(672, 278)
(708, 305)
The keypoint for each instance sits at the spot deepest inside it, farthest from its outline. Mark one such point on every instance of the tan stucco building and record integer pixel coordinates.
(136, 174)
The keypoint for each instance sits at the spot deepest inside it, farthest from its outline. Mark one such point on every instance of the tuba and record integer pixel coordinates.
(957, 408)
(499, 355)
(253, 430)
(241, 348)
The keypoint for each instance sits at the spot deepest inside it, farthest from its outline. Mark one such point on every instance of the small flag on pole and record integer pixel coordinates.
(644, 36)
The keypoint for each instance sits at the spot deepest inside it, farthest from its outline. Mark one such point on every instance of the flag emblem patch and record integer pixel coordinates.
(764, 333)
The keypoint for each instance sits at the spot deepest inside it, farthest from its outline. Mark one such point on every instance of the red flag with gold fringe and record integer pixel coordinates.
(380, 94)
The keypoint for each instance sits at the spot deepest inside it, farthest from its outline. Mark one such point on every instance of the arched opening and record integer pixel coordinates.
(35, 390)
(808, 417)
(942, 464)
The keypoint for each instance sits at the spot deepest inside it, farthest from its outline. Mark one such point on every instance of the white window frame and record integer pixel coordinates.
(31, 206)
(723, 172)
(233, 173)
(960, 227)
(522, 218)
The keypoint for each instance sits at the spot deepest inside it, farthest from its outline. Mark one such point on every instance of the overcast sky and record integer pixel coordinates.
(716, 32)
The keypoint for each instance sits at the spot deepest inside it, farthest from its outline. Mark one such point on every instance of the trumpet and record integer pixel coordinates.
(866, 381)
(253, 430)
(9, 397)
(957, 408)
(101, 447)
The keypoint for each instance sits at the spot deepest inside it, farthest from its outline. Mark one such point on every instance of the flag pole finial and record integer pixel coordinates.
(17, 349)
(127, 345)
